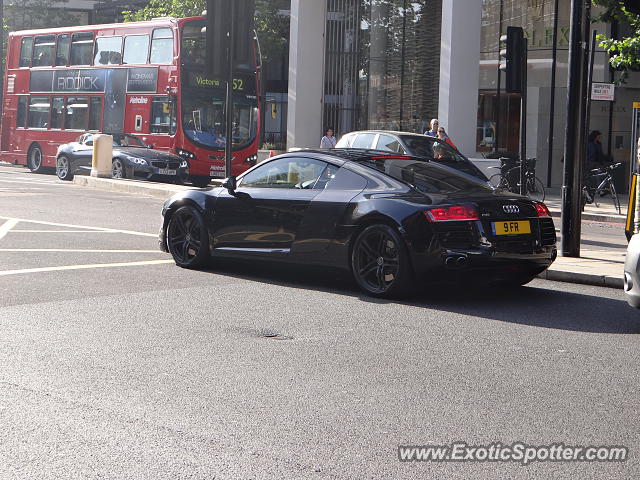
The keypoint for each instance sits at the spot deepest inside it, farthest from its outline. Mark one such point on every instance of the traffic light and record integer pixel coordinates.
(513, 51)
(220, 16)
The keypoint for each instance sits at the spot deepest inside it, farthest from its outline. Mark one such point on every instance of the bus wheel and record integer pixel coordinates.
(118, 170)
(63, 168)
(34, 159)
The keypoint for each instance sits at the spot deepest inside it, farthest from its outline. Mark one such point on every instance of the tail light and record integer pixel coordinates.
(453, 212)
(542, 209)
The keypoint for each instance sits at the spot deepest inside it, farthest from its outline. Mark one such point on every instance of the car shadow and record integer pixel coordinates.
(536, 305)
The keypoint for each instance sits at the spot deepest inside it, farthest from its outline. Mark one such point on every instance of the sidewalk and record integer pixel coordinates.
(604, 212)
(600, 267)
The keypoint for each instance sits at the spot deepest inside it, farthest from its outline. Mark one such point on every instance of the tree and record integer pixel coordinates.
(28, 14)
(624, 52)
(272, 28)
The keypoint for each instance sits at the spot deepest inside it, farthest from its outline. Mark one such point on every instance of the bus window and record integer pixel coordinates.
(162, 46)
(62, 51)
(43, 47)
(136, 49)
(38, 112)
(193, 44)
(95, 113)
(81, 48)
(162, 118)
(22, 111)
(77, 113)
(108, 51)
(57, 112)
(26, 48)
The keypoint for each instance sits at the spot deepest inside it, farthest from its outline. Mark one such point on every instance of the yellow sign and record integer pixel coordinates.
(636, 104)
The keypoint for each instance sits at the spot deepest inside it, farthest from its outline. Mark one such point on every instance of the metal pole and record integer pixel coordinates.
(552, 106)
(523, 120)
(499, 84)
(587, 116)
(2, 55)
(572, 179)
(228, 149)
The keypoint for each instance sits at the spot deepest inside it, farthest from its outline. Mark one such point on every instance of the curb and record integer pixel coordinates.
(162, 191)
(594, 217)
(583, 278)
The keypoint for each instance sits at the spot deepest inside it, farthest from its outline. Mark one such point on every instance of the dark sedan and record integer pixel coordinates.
(414, 144)
(132, 158)
(386, 218)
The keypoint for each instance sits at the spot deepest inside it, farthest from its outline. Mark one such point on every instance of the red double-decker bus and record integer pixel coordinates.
(143, 78)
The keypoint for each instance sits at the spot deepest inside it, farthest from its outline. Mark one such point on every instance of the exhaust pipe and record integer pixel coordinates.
(457, 261)
(461, 262)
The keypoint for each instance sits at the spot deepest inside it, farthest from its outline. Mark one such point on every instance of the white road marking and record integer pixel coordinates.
(6, 226)
(101, 229)
(62, 231)
(31, 182)
(75, 250)
(83, 267)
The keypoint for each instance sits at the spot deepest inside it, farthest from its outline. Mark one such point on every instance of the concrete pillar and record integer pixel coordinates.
(102, 156)
(459, 71)
(306, 73)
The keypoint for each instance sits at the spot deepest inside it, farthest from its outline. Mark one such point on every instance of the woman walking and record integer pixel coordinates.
(328, 141)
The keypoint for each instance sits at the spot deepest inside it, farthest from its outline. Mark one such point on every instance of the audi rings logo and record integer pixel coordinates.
(511, 209)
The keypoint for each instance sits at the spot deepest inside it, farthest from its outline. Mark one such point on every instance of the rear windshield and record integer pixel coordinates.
(427, 177)
(439, 151)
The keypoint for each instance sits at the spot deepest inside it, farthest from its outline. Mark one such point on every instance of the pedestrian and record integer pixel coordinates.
(595, 156)
(434, 128)
(328, 141)
(442, 135)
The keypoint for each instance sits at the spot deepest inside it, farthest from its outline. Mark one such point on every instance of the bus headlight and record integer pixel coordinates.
(251, 160)
(185, 153)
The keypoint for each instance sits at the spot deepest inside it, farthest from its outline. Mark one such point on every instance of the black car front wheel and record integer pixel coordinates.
(380, 262)
(118, 169)
(187, 238)
(63, 168)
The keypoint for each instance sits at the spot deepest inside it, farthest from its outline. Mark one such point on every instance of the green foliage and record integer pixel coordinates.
(273, 29)
(624, 52)
(30, 14)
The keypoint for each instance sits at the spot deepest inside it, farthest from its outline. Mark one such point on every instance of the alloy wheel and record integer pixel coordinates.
(186, 238)
(117, 169)
(376, 259)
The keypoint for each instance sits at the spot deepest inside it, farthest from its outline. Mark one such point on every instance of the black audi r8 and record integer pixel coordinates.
(386, 218)
(132, 158)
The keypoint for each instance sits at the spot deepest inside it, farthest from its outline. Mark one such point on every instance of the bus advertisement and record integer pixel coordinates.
(143, 78)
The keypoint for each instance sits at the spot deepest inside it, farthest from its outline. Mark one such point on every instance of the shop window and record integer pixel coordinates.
(62, 50)
(136, 49)
(57, 112)
(108, 51)
(81, 48)
(162, 118)
(39, 112)
(77, 113)
(26, 49)
(95, 113)
(22, 111)
(43, 48)
(162, 46)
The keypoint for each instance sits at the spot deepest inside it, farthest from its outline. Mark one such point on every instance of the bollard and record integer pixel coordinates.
(102, 156)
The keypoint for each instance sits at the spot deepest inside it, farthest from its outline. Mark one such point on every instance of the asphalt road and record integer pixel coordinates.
(113, 365)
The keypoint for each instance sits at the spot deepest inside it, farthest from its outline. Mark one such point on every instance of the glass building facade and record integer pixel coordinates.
(382, 71)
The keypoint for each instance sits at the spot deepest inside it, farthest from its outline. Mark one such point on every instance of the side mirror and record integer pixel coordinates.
(230, 184)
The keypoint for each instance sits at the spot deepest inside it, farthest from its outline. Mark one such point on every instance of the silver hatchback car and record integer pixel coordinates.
(632, 272)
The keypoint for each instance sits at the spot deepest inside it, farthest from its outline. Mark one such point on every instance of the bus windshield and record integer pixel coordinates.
(203, 98)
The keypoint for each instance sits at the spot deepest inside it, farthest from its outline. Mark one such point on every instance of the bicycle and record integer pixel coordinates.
(510, 180)
(603, 178)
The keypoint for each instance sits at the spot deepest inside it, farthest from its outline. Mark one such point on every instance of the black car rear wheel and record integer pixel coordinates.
(379, 261)
(63, 168)
(187, 238)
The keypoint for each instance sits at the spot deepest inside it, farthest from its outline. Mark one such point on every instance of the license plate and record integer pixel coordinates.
(521, 227)
(166, 171)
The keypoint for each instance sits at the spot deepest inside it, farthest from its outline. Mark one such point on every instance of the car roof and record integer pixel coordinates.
(389, 132)
(356, 154)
